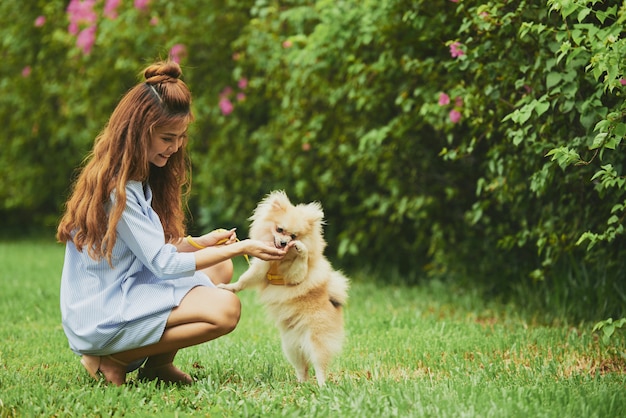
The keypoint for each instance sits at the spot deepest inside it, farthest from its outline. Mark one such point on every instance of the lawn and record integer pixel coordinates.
(431, 351)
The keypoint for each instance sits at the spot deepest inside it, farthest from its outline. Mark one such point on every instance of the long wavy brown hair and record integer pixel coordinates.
(120, 154)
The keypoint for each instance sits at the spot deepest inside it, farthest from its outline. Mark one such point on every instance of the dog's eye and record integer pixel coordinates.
(279, 230)
(293, 236)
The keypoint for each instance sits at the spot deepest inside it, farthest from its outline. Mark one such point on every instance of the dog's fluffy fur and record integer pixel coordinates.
(307, 308)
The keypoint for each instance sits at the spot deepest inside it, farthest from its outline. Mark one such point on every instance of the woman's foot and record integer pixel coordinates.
(167, 373)
(113, 370)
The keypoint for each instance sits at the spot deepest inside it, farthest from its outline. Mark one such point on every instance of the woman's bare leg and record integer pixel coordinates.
(220, 273)
(204, 314)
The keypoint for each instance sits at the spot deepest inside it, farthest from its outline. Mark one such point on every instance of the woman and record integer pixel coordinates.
(133, 290)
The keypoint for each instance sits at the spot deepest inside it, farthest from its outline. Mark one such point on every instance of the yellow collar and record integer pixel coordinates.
(275, 278)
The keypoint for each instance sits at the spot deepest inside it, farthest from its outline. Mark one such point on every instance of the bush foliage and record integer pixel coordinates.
(475, 139)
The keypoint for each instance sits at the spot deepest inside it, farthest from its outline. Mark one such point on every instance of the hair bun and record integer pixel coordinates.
(161, 71)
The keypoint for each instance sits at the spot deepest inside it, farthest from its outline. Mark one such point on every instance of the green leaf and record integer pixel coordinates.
(567, 8)
(542, 107)
(612, 143)
(602, 126)
(553, 79)
(564, 156)
(620, 130)
(598, 140)
(583, 14)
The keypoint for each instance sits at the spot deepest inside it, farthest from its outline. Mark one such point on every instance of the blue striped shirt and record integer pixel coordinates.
(106, 310)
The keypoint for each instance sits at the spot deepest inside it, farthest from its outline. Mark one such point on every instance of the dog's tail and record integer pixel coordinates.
(338, 289)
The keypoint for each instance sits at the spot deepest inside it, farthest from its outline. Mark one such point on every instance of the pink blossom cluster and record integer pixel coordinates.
(455, 113)
(40, 21)
(82, 23)
(110, 8)
(455, 50)
(83, 19)
(141, 4)
(225, 104)
(178, 52)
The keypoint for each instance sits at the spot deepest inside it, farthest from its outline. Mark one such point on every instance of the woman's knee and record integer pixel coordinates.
(217, 307)
(221, 273)
(228, 269)
(230, 313)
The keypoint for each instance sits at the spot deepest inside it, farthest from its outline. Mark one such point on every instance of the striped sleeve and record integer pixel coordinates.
(141, 230)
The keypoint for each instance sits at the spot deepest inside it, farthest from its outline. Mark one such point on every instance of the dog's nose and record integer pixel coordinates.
(283, 243)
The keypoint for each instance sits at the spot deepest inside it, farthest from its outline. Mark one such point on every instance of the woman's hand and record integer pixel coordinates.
(264, 250)
(218, 237)
(217, 253)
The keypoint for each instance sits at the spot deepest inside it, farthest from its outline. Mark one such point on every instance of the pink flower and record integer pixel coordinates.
(287, 44)
(110, 7)
(243, 83)
(26, 71)
(306, 146)
(40, 21)
(226, 106)
(80, 12)
(455, 50)
(455, 116)
(458, 102)
(154, 21)
(454, 1)
(241, 97)
(178, 52)
(622, 81)
(141, 4)
(226, 92)
(73, 28)
(86, 38)
(444, 99)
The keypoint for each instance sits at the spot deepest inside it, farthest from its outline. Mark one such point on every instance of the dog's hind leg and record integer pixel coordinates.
(321, 354)
(320, 364)
(297, 359)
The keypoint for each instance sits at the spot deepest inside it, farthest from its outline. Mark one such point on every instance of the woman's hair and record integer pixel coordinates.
(120, 154)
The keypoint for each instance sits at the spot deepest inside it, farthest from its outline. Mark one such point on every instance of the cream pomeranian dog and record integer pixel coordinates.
(302, 292)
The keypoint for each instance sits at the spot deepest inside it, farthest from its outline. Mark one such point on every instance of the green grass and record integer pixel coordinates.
(410, 352)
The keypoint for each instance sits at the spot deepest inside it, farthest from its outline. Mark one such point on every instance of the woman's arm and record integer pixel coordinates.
(145, 240)
(218, 237)
(210, 256)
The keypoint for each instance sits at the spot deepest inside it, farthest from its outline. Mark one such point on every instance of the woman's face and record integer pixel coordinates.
(165, 141)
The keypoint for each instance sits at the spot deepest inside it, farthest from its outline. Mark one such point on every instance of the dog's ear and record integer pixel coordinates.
(314, 212)
(274, 201)
(278, 200)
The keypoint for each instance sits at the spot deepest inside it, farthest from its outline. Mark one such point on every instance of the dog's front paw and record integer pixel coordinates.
(231, 286)
(300, 248)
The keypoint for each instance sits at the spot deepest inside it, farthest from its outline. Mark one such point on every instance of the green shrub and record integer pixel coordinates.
(474, 139)
(498, 179)
(56, 97)
(343, 106)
